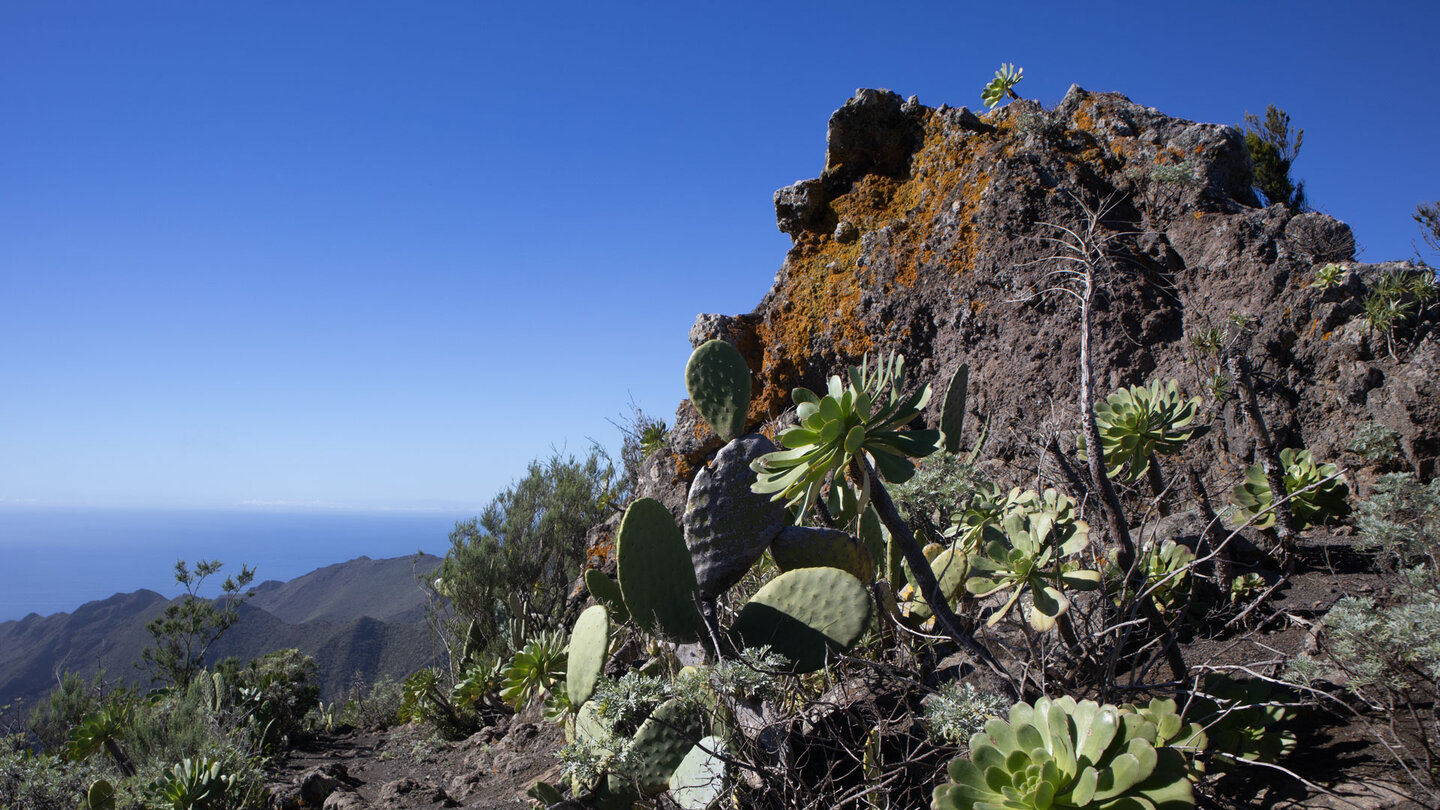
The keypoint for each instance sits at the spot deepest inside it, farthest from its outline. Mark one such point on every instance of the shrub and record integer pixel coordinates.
(520, 556)
(1390, 649)
(958, 710)
(276, 691)
(64, 708)
(374, 707)
(1273, 147)
(40, 780)
(1378, 444)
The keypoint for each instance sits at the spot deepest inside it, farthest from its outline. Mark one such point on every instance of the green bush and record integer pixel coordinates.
(374, 707)
(1273, 147)
(958, 710)
(518, 559)
(29, 780)
(64, 708)
(276, 691)
(1378, 444)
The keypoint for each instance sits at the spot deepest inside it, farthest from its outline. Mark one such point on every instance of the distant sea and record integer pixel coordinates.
(54, 560)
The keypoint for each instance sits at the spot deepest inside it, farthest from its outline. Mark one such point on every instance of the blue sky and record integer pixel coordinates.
(379, 255)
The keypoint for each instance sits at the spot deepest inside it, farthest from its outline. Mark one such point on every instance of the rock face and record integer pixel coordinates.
(932, 232)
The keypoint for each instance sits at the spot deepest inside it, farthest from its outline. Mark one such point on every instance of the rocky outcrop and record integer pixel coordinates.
(933, 232)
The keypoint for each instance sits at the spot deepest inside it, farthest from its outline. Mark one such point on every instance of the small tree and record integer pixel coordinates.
(1272, 150)
(519, 558)
(188, 628)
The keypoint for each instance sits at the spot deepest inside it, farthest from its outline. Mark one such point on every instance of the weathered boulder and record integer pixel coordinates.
(931, 232)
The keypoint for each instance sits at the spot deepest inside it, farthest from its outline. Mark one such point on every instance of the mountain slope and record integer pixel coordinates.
(341, 593)
(363, 619)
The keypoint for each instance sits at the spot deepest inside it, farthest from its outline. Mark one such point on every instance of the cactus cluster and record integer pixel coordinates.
(1060, 753)
(1317, 493)
(814, 600)
(819, 606)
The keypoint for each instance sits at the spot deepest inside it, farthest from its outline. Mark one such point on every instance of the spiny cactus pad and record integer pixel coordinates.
(719, 384)
(952, 413)
(798, 547)
(589, 647)
(805, 615)
(699, 781)
(663, 741)
(727, 527)
(656, 577)
(607, 592)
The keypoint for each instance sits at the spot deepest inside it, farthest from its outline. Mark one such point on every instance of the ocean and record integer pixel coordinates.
(54, 560)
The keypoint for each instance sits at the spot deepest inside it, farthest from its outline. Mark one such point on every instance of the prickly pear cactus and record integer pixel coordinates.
(662, 743)
(952, 412)
(805, 615)
(607, 592)
(589, 647)
(727, 527)
(812, 547)
(719, 384)
(699, 781)
(656, 576)
(100, 796)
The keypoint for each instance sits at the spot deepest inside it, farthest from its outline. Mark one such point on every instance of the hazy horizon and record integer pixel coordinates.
(58, 558)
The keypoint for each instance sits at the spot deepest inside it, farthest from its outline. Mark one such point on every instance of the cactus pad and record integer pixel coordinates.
(656, 576)
(607, 592)
(950, 567)
(662, 743)
(588, 725)
(952, 412)
(807, 547)
(719, 384)
(589, 647)
(699, 781)
(727, 527)
(805, 615)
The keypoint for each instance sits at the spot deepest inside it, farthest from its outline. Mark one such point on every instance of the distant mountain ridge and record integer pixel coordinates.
(362, 620)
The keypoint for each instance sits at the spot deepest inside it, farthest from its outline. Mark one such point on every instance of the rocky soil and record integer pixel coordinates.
(408, 767)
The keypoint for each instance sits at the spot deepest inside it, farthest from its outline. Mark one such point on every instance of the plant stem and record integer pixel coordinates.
(1269, 458)
(924, 575)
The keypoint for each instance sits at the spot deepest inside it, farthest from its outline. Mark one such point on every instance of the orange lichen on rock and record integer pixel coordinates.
(824, 277)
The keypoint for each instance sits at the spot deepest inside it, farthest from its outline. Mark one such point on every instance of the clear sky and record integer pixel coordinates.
(379, 255)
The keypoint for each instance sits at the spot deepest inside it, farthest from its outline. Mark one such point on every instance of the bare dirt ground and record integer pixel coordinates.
(407, 767)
